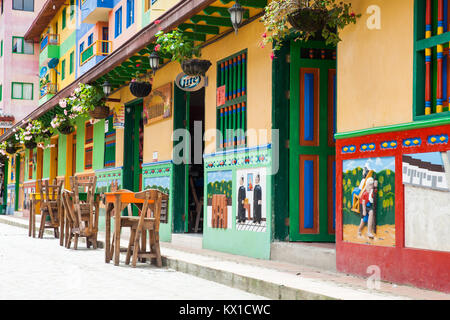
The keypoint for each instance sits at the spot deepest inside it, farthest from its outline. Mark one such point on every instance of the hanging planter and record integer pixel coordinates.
(195, 67)
(140, 89)
(308, 19)
(99, 112)
(11, 149)
(30, 144)
(66, 128)
(47, 134)
(3, 158)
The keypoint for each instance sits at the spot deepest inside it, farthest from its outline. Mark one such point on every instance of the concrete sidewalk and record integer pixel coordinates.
(272, 279)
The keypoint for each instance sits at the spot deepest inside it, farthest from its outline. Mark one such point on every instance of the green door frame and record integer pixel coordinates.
(17, 183)
(180, 170)
(323, 151)
(5, 188)
(131, 165)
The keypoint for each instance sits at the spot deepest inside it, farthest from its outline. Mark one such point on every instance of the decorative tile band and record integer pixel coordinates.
(439, 139)
(368, 147)
(349, 149)
(389, 145)
(256, 157)
(412, 142)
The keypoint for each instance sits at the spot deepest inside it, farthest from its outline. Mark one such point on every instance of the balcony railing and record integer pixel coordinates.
(49, 88)
(98, 48)
(49, 39)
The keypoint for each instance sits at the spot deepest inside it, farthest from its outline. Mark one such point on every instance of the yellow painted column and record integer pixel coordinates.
(69, 160)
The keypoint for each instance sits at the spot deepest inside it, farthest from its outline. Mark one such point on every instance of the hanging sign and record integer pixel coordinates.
(189, 83)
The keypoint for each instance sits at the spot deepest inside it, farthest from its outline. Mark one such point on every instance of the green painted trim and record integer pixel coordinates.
(98, 159)
(395, 128)
(49, 52)
(68, 44)
(22, 83)
(5, 188)
(23, 46)
(17, 182)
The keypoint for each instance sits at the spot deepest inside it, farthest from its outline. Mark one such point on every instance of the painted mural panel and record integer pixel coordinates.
(220, 199)
(369, 201)
(251, 200)
(162, 184)
(426, 177)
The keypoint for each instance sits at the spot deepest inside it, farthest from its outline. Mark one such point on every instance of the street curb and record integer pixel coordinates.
(259, 287)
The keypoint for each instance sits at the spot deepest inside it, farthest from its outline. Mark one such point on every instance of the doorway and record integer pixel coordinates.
(188, 176)
(311, 142)
(133, 147)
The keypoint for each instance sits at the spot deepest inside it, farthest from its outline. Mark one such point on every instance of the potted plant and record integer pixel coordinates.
(139, 88)
(63, 124)
(183, 50)
(309, 18)
(28, 136)
(88, 99)
(12, 144)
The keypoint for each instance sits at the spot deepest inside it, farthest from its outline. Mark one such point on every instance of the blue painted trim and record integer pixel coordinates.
(308, 194)
(151, 164)
(308, 110)
(241, 150)
(108, 169)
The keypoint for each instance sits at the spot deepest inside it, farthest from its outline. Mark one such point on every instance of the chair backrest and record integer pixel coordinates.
(51, 193)
(155, 207)
(89, 203)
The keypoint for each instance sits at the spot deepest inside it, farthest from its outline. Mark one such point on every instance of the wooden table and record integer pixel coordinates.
(117, 200)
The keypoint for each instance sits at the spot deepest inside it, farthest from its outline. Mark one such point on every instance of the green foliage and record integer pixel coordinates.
(339, 15)
(220, 187)
(176, 44)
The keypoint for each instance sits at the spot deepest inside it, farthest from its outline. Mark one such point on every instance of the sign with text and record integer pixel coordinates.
(221, 95)
(189, 83)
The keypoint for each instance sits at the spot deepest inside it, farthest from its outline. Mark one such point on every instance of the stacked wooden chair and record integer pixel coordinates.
(82, 215)
(149, 220)
(50, 206)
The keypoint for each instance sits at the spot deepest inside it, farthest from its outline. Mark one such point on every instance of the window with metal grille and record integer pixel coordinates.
(232, 100)
(431, 59)
(88, 145)
(110, 143)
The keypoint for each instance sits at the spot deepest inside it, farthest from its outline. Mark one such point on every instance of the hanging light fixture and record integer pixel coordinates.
(154, 61)
(106, 88)
(237, 15)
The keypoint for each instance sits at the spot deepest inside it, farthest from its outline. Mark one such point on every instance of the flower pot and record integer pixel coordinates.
(308, 19)
(46, 134)
(66, 128)
(11, 149)
(100, 112)
(140, 89)
(195, 67)
(30, 144)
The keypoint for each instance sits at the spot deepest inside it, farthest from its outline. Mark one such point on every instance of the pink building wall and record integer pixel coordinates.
(18, 67)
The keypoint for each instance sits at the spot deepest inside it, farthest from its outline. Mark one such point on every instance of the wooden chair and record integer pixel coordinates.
(140, 225)
(50, 206)
(82, 215)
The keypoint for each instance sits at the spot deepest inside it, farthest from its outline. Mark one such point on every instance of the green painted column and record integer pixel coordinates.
(16, 188)
(5, 188)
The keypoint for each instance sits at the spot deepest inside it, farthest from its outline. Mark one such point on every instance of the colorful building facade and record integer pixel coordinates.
(324, 137)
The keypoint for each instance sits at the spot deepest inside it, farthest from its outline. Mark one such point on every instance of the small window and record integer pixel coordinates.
(63, 69)
(64, 15)
(90, 39)
(22, 91)
(440, 179)
(118, 22)
(130, 12)
(24, 5)
(81, 47)
(20, 46)
(71, 62)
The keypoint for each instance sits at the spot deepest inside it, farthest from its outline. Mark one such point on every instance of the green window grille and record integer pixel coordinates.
(110, 143)
(232, 106)
(71, 62)
(64, 14)
(431, 59)
(63, 69)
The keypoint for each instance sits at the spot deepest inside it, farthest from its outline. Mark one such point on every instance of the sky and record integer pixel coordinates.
(157, 181)
(377, 164)
(432, 157)
(219, 176)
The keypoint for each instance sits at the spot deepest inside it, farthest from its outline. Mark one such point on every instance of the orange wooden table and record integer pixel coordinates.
(117, 200)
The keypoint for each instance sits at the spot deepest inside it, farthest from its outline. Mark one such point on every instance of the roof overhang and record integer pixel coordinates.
(43, 19)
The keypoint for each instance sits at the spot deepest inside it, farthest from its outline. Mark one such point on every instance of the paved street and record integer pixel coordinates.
(41, 269)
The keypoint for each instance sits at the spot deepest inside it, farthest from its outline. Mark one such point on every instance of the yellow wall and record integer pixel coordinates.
(160, 7)
(375, 68)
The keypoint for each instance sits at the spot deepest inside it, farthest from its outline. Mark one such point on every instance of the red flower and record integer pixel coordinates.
(157, 21)
(157, 47)
(352, 14)
(272, 55)
(138, 65)
(264, 35)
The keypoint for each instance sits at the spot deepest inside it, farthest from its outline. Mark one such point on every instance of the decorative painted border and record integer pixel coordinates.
(243, 157)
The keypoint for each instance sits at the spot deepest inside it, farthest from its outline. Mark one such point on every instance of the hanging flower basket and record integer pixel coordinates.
(66, 128)
(30, 144)
(11, 149)
(195, 67)
(308, 19)
(140, 89)
(3, 158)
(100, 112)
(47, 134)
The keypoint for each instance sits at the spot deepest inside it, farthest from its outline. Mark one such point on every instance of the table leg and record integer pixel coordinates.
(62, 220)
(109, 207)
(117, 214)
(30, 221)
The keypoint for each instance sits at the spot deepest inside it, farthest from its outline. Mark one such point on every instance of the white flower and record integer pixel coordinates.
(63, 103)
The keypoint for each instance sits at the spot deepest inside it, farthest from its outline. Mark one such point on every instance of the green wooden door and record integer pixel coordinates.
(311, 142)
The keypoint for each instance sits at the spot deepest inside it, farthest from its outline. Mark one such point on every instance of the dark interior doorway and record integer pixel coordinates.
(195, 181)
